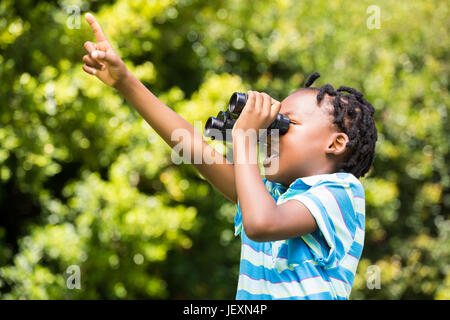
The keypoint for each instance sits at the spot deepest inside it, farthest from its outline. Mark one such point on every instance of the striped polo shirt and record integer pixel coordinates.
(319, 265)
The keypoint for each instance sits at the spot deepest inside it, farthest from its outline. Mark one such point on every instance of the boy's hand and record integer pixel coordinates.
(259, 112)
(101, 60)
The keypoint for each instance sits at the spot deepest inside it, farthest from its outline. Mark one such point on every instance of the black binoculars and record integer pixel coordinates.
(216, 127)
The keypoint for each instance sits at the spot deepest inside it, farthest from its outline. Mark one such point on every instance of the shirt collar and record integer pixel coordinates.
(312, 180)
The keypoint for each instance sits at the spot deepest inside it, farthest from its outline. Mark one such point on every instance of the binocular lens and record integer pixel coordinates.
(216, 127)
(213, 123)
(237, 102)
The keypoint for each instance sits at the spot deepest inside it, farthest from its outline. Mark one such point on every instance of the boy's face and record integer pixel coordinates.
(302, 150)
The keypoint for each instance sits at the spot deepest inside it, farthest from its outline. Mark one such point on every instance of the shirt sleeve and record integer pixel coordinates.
(237, 220)
(331, 205)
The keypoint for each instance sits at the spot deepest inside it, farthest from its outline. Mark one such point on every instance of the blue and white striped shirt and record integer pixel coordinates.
(319, 265)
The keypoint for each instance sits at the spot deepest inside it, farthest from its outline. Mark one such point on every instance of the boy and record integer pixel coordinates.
(302, 226)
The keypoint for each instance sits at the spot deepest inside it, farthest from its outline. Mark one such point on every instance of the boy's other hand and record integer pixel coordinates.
(258, 113)
(101, 60)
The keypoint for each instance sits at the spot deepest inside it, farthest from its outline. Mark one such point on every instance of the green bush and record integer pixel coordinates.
(85, 181)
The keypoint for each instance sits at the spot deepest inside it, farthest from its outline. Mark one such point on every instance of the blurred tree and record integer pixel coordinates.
(85, 181)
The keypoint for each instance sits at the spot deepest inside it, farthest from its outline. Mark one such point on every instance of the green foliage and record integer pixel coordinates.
(85, 181)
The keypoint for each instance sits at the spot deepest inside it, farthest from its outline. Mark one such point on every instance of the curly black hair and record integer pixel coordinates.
(353, 114)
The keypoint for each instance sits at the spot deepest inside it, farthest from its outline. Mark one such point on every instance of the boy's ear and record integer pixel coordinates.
(337, 143)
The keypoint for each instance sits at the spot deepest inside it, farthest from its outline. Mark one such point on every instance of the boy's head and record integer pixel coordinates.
(330, 132)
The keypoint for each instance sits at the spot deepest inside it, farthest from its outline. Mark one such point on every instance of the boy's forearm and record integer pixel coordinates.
(163, 119)
(255, 201)
(103, 62)
(219, 172)
(159, 116)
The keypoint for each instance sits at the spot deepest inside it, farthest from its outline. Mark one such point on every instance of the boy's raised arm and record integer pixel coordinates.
(103, 62)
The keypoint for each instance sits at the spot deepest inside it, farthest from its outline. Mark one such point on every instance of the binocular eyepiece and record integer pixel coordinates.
(216, 127)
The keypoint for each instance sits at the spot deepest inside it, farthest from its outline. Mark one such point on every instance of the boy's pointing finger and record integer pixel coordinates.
(98, 33)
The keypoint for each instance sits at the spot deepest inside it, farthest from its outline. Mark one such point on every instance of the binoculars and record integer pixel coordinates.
(216, 127)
